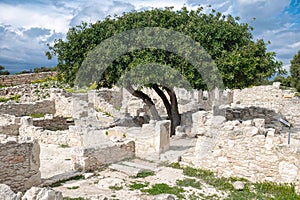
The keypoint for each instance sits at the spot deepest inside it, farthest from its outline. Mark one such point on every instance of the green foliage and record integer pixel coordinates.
(162, 188)
(76, 198)
(38, 70)
(137, 185)
(189, 183)
(295, 71)
(15, 98)
(241, 61)
(3, 72)
(61, 182)
(64, 146)
(265, 190)
(115, 187)
(144, 173)
(175, 165)
(37, 115)
(286, 82)
(73, 188)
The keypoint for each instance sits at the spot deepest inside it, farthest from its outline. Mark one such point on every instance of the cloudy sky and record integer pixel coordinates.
(27, 26)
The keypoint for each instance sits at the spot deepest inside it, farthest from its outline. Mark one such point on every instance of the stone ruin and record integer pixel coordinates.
(238, 133)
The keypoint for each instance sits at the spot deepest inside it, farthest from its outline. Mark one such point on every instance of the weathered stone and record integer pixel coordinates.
(288, 171)
(238, 185)
(36, 193)
(7, 194)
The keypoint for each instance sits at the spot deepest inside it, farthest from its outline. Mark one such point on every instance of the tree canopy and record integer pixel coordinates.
(240, 60)
(295, 71)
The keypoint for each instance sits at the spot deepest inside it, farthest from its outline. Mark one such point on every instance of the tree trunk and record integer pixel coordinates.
(171, 107)
(175, 116)
(146, 99)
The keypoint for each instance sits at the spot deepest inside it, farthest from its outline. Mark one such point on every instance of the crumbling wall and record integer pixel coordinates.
(25, 109)
(69, 137)
(11, 80)
(271, 97)
(248, 150)
(9, 125)
(53, 124)
(19, 161)
(93, 158)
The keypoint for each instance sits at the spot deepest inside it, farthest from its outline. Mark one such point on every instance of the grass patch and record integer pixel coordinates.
(264, 190)
(73, 188)
(76, 198)
(175, 165)
(108, 114)
(37, 115)
(144, 174)
(60, 183)
(115, 187)
(63, 146)
(137, 186)
(188, 182)
(162, 188)
(15, 98)
(208, 177)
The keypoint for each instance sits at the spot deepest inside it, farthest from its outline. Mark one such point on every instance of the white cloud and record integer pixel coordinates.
(29, 16)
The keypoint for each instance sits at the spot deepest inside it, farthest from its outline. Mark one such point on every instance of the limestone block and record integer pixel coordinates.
(287, 171)
(259, 123)
(26, 121)
(238, 185)
(250, 131)
(37, 193)
(6, 193)
(162, 136)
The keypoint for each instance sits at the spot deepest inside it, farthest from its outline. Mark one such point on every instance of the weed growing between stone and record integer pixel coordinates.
(162, 188)
(138, 185)
(60, 183)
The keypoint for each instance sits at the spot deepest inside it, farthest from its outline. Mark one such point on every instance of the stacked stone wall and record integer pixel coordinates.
(53, 124)
(93, 158)
(20, 164)
(25, 109)
(12, 80)
(271, 97)
(247, 150)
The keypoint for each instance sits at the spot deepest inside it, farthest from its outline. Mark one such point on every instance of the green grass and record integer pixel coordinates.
(115, 187)
(63, 146)
(188, 182)
(37, 115)
(76, 198)
(144, 174)
(264, 190)
(137, 185)
(60, 183)
(73, 188)
(162, 188)
(15, 98)
(175, 165)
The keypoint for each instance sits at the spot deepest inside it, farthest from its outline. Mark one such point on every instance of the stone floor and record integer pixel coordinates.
(55, 163)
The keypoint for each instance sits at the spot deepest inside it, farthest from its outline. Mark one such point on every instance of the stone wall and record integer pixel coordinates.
(69, 137)
(9, 125)
(248, 150)
(19, 161)
(25, 109)
(93, 158)
(11, 80)
(271, 97)
(54, 123)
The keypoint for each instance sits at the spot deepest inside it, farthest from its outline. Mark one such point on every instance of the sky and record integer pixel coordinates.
(26, 27)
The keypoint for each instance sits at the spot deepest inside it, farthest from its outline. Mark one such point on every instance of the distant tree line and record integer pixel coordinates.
(2, 71)
(35, 70)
